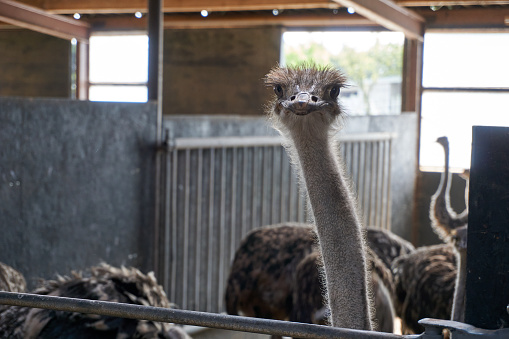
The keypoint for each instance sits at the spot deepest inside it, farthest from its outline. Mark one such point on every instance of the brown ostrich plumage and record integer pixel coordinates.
(103, 282)
(424, 283)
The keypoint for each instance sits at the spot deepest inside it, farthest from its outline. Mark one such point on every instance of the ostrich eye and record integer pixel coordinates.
(334, 91)
(278, 89)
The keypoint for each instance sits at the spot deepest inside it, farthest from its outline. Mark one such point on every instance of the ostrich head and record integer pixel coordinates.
(443, 141)
(306, 97)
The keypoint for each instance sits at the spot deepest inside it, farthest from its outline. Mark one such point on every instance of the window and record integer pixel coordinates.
(465, 83)
(118, 68)
(373, 62)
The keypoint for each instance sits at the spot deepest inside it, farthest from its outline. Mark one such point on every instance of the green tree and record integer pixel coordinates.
(364, 68)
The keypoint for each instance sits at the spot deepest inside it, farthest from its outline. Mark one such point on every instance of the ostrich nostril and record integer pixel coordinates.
(314, 98)
(292, 98)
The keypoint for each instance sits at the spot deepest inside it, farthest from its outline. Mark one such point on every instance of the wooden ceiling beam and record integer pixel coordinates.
(195, 21)
(462, 19)
(429, 3)
(389, 15)
(21, 15)
(173, 6)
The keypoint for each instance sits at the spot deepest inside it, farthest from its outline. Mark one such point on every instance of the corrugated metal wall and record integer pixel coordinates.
(218, 189)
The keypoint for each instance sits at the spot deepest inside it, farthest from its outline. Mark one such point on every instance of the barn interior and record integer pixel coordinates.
(173, 183)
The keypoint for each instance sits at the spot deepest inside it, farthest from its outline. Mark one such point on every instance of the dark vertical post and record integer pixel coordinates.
(155, 56)
(487, 285)
(155, 84)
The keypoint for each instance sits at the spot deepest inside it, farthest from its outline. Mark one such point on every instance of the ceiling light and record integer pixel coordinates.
(138, 15)
(204, 13)
(275, 12)
(76, 16)
(350, 10)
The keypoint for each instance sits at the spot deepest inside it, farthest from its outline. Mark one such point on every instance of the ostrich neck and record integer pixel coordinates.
(458, 305)
(339, 232)
(444, 215)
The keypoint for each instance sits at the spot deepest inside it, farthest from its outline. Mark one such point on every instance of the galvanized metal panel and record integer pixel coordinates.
(218, 189)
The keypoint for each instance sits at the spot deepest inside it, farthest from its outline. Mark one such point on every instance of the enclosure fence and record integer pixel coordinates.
(216, 190)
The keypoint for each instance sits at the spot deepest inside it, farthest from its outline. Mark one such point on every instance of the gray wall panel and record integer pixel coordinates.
(76, 184)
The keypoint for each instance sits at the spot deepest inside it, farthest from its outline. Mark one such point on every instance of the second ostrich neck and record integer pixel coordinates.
(338, 231)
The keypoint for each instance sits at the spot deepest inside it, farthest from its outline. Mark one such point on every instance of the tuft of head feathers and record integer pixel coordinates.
(308, 75)
(306, 99)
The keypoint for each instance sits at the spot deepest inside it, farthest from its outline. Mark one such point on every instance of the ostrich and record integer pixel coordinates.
(104, 282)
(452, 228)
(305, 111)
(443, 218)
(424, 283)
(11, 280)
(275, 274)
(262, 273)
(430, 281)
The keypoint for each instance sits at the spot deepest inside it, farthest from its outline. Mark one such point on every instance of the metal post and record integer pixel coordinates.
(487, 292)
(155, 56)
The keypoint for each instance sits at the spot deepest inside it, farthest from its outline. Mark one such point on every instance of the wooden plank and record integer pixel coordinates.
(38, 20)
(131, 6)
(389, 15)
(412, 70)
(237, 20)
(465, 18)
(487, 295)
(429, 3)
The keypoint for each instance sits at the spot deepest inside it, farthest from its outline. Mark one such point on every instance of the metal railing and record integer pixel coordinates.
(203, 319)
(215, 190)
(433, 327)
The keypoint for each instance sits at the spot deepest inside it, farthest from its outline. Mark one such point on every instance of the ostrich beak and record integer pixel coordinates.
(302, 103)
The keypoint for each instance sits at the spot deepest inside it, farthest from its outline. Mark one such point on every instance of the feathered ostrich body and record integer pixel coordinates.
(11, 280)
(263, 270)
(277, 273)
(424, 285)
(104, 282)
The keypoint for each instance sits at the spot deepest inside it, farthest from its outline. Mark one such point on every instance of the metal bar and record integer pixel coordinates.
(159, 314)
(33, 18)
(389, 172)
(185, 245)
(173, 239)
(233, 210)
(167, 227)
(126, 84)
(210, 233)
(222, 232)
(254, 190)
(244, 192)
(467, 89)
(181, 143)
(199, 226)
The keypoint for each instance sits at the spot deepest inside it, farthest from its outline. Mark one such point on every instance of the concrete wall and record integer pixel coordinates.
(76, 185)
(33, 64)
(218, 71)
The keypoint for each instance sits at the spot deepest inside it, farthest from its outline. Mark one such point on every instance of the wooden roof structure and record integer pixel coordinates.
(409, 16)
(412, 17)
